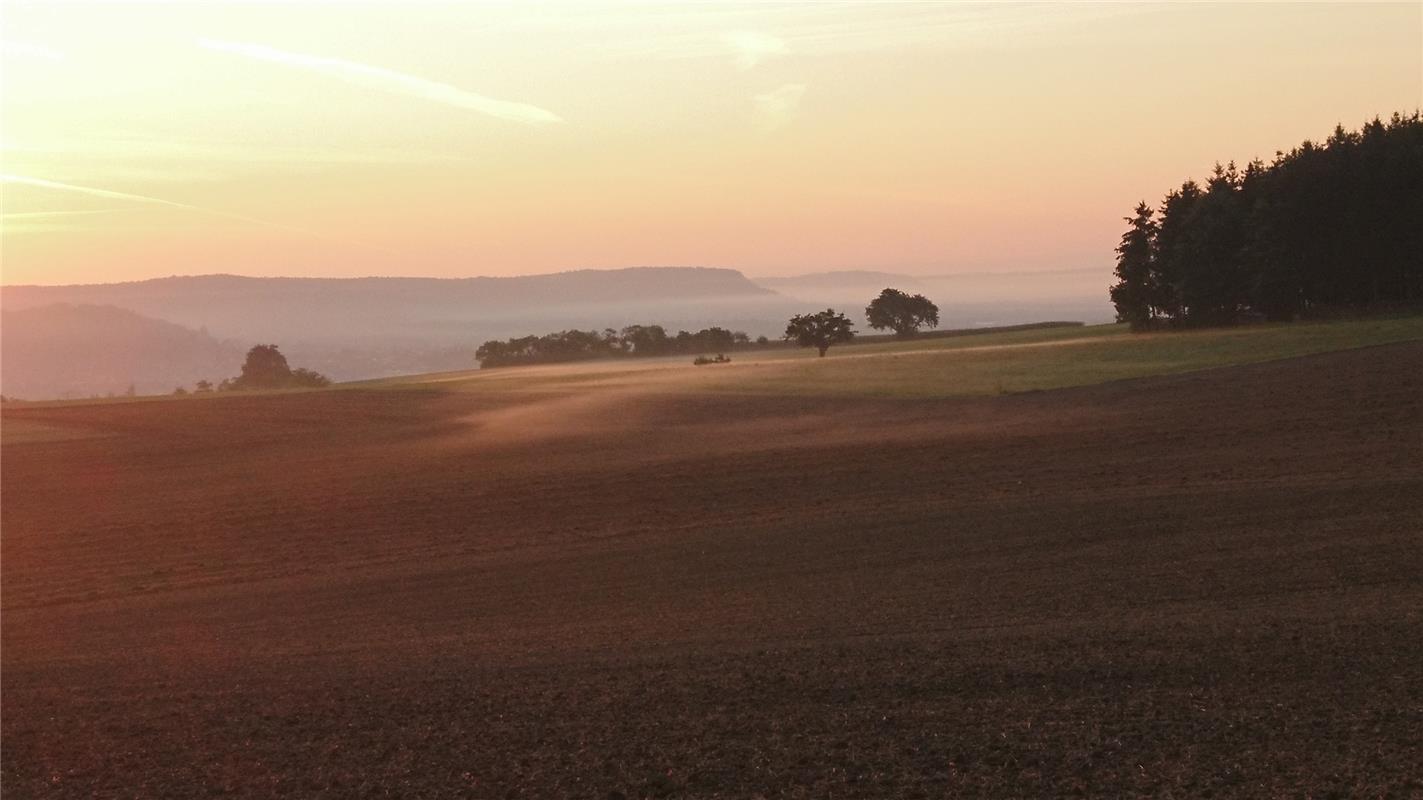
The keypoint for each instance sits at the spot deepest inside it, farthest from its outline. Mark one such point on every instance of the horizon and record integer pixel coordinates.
(447, 142)
(750, 277)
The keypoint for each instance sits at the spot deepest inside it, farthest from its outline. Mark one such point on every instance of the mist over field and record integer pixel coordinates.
(929, 559)
(704, 401)
(358, 328)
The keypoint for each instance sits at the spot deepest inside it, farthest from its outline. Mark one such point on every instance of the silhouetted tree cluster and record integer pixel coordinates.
(902, 313)
(267, 368)
(1325, 228)
(652, 340)
(634, 340)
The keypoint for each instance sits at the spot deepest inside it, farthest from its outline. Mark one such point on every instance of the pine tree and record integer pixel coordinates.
(1132, 292)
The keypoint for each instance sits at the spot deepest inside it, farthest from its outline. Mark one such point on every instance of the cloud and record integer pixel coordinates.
(109, 194)
(130, 158)
(112, 195)
(752, 47)
(10, 47)
(779, 107)
(43, 215)
(49, 221)
(830, 28)
(167, 148)
(391, 81)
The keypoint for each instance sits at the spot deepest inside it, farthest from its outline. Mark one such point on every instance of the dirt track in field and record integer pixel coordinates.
(1206, 584)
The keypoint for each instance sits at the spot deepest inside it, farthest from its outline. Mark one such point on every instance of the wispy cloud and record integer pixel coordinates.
(10, 47)
(167, 148)
(391, 81)
(777, 108)
(109, 194)
(50, 221)
(42, 183)
(129, 158)
(44, 215)
(750, 48)
(820, 29)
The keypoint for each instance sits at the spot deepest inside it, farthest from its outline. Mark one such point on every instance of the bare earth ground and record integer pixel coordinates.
(1200, 585)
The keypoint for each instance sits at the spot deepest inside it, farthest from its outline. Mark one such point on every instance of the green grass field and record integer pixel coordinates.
(1038, 360)
(983, 364)
(1016, 361)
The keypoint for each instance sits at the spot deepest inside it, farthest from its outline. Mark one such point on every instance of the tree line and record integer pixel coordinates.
(892, 310)
(1328, 228)
(634, 340)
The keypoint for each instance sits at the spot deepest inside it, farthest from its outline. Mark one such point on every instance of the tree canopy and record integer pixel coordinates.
(820, 330)
(634, 340)
(1324, 229)
(902, 313)
(266, 368)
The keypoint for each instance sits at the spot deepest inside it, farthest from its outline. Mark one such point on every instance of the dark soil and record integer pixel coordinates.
(1194, 586)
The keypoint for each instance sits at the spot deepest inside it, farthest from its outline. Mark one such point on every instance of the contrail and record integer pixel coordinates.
(142, 198)
(48, 214)
(391, 81)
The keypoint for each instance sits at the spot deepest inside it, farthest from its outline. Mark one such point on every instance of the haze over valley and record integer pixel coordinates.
(357, 328)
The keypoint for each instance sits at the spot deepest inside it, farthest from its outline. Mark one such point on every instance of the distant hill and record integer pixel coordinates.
(64, 350)
(353, 328)
(350, 309)
(851, 278)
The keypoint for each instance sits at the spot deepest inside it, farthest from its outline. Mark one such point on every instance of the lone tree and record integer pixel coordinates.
(902, 313)
(820, 330)
(267, 368)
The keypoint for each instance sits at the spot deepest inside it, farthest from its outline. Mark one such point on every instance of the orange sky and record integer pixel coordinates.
(404, 139)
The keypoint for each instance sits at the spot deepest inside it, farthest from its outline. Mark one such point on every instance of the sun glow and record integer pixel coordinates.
(459, 140)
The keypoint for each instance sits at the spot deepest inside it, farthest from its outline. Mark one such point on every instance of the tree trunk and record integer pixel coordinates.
(823, 348)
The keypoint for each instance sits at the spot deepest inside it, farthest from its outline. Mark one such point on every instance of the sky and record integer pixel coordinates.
(449, 140)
